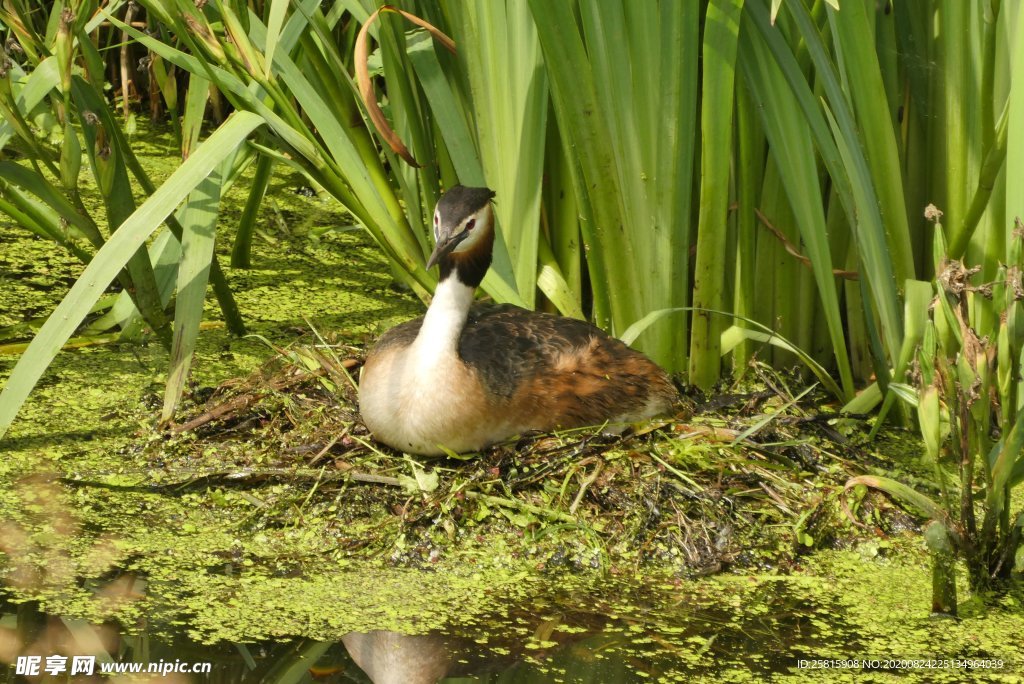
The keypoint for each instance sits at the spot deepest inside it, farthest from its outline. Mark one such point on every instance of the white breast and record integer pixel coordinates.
(419, 407)
(421, 396)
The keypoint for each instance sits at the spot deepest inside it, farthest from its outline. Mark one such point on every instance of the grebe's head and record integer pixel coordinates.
(463, 224)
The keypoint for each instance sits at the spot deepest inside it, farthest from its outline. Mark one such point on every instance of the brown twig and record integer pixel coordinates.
(126, 81)
(243, 402)
(589, 480)
(791, 248)
(244, 476)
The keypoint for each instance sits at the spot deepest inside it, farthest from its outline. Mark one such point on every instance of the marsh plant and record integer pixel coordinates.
(969, 401)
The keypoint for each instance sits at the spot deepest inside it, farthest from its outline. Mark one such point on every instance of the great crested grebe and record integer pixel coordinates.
(467, 375)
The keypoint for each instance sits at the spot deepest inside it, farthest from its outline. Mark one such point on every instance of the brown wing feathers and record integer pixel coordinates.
(558, 372)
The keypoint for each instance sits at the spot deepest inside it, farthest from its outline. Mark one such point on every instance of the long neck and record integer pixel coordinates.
(461, 273)
(446, 317)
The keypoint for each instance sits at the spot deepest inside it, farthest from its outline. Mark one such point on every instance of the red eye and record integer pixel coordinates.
(436, 220)
(470, 223)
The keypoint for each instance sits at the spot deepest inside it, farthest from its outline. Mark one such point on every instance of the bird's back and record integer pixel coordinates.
(557, 372)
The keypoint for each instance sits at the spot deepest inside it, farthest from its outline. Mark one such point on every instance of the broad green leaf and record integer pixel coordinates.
(38, 84)
(200, 223)
(278, 9)
(902, 493)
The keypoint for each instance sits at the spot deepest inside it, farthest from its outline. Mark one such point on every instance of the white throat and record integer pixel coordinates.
(446, 316)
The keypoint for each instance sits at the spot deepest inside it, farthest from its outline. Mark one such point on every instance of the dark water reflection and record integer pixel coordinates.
(600, 637)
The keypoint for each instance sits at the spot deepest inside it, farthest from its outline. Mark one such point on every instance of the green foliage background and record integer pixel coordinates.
(649, 157)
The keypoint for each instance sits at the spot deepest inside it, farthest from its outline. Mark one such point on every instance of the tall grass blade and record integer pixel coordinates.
(1015, 134)
(857, 57)
(585, 133)
(721, 33)
(917, 298)
(107, 157)
(199, 220)
(837, 141)
(275, 21)
(242, 247)
(509, 94)
(792, 146)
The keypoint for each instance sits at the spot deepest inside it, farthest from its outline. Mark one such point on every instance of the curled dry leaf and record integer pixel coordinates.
(362, 54)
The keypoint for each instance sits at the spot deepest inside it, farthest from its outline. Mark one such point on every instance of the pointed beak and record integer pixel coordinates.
(444, 247)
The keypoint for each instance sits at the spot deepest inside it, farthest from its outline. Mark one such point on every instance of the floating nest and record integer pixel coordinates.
(749, 478)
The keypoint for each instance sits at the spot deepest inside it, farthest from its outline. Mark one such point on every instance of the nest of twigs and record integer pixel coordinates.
(744, 477)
